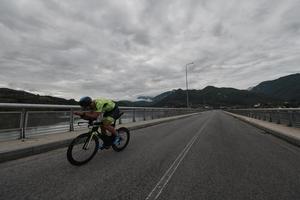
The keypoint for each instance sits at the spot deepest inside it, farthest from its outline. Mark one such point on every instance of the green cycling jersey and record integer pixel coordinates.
(104, 105)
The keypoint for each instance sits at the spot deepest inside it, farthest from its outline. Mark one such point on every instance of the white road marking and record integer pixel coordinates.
(281, 143)
(156, 191)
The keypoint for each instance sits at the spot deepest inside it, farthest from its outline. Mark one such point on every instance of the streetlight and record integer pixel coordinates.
(187, 94)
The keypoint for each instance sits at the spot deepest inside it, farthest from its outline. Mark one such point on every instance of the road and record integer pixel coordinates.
(207, 156)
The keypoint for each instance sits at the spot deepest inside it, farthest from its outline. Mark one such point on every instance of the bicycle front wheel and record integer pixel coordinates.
(82, 149)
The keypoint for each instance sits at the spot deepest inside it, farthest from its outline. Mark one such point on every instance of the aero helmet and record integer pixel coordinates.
(85, 101)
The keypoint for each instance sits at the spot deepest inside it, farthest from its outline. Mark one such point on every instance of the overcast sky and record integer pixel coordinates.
(123, 49)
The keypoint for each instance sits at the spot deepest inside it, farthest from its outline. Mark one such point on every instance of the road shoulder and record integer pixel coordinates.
(290, 134)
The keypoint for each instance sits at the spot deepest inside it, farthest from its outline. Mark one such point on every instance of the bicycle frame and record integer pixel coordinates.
(93, 130)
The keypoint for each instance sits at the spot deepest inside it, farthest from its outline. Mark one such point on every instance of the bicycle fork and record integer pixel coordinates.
(87, 143)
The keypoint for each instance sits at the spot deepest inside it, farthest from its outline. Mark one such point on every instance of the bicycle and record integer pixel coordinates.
(87, 144)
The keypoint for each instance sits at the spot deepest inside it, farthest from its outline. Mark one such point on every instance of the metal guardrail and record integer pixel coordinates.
(286, 116)
(25, 121)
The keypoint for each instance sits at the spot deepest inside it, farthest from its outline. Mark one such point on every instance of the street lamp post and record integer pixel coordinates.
(186, 81)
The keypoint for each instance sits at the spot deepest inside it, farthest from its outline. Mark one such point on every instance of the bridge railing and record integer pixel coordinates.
(25, 120)
(286, 116)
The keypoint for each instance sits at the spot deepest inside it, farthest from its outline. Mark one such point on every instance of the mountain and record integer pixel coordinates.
(145, 98)
(156, 98)
(286, 88)
(17, 96)
(216, 97)
(162, 96)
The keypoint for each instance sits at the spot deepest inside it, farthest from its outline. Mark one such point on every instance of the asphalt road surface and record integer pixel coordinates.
(207, 156)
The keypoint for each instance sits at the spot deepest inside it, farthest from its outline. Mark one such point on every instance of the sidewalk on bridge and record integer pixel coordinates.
(14, 149)
(290, 134)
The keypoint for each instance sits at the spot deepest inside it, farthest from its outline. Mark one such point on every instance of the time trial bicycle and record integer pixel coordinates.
(85, 146)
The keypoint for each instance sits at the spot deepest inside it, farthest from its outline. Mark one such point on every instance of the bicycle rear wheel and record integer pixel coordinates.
(124, 135)
(82, 149)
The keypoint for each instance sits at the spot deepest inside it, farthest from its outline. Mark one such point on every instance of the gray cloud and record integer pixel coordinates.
(123, 49)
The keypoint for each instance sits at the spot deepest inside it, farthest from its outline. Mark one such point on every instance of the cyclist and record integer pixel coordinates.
(102, 109)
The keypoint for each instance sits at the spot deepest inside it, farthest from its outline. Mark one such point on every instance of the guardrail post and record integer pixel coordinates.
(71, 120)
(24, 119)
(133, 115)
(152, 114)
(290, 118)
(22, 116)
(261, 115)
(270, 116)
(144, 114)
(278, 120)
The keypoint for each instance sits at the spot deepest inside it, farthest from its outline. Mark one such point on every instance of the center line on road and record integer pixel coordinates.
(154, 194)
